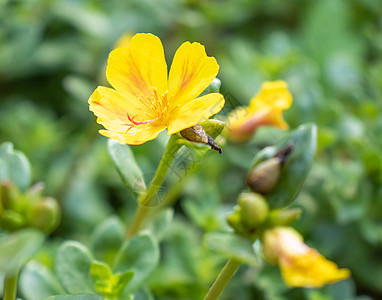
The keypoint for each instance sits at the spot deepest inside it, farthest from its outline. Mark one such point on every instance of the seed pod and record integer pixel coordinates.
(264, 177)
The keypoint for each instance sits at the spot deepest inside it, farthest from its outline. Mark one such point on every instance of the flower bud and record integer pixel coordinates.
(264, 177)
(234, 220)
(11, 220)
(254, 209)
(8, 195)
(45, 215)
(213, 127)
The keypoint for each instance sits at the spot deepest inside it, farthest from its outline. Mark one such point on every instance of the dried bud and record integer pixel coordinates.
(265, 176)
(254, 209)
(197, 134)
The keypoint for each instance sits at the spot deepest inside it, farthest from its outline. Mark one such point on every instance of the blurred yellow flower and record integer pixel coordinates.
(124, 41)
(301, 266)
(265, 108)
(144, 101)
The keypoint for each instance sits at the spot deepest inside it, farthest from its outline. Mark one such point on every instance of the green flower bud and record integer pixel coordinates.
(213, 127)
(11, 220)
(284, 217)
(234, 220)
(45, 215)
(254, 209)
(264, 177)
(9, 194)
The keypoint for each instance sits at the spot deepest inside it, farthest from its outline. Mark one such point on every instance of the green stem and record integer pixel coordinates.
(146, 200)
(10, 287)
(222, 280)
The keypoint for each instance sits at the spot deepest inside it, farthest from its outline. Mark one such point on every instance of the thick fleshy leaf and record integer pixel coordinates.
(296, 166)
(135, 70)
(124, 160)
(161, 223)
(191, 73)
(214, 87)
(17, 248)
(107, 238)
(141, 255)
(14, 166)
(231, 246)
(76, 297)
(38, 282)
(195, 111)
(73, 263)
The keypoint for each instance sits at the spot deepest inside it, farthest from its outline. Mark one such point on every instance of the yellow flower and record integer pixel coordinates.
(301, 266)
(265, 108)
(144, 101)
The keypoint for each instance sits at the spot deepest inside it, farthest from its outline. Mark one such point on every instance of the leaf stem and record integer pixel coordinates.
(222, 280)
(145, 201)
(10, 287)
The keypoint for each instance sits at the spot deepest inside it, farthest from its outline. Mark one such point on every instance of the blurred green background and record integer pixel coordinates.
(53, 55)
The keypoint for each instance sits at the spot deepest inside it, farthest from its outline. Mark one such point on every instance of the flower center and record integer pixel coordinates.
(155, 108)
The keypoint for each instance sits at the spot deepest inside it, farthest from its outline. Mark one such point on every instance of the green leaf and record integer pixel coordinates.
(141, 255)
(14, 166)
(107, 239)
(231, 246)
(38, 282)
(72, 267)
(161, 223)
(76, 297)
(297, 164)
(107, 284)
(127, 167)
(17, 248)
(214, 87)
(100, 271)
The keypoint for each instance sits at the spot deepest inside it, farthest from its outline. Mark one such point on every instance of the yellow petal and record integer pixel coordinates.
(311, 270)
(113, 107)
(136, 135)
(195, 111)
(273, 95)
(191, 73)
(135, 71)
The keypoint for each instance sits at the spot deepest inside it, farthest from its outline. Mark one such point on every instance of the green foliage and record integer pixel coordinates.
(231, 246)
(17, 248)
(141, 255)
(53, 56)
(14, 166)
(124, 160)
